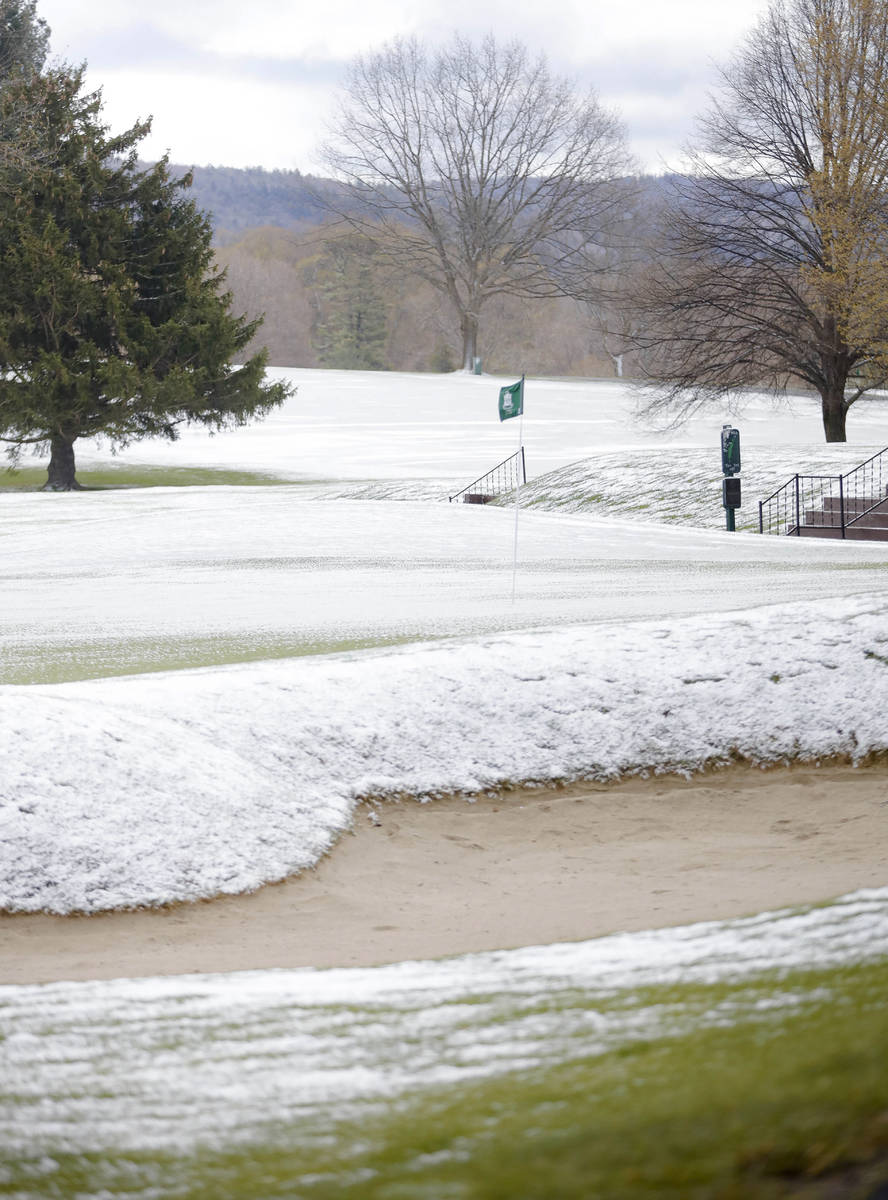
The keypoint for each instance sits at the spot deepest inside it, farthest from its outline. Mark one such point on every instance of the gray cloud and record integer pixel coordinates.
(142, 47)
(651, 73)
(659, 88)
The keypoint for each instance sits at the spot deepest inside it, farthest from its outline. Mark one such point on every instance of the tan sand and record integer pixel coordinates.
(537, 866)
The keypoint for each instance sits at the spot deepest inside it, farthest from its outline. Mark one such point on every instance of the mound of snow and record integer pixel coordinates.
(146, 790)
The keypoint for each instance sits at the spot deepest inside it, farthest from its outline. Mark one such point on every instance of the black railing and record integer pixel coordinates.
(834, 502)
(504, 477)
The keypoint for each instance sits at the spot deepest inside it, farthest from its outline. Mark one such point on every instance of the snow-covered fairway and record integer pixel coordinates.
(121, 582)
(127, 581)
(353, 425)
(354, 634)
(223, 779)
(208, 1063)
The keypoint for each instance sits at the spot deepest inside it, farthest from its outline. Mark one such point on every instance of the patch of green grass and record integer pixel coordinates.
(778, 1089)
(97, 659)
(30, 479)
(768, 1107)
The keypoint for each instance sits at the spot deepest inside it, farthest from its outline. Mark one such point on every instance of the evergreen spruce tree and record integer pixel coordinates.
(24, 39)
(351, 330)
(113, 321)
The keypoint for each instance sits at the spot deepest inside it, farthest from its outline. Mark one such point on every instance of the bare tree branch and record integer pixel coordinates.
(773, 264)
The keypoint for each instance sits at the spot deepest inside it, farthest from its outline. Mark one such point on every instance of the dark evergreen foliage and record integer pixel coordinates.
(24, 39)
(350, 329)
(113, 320)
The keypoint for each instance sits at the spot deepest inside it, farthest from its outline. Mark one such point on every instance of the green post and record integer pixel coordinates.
(730, 449)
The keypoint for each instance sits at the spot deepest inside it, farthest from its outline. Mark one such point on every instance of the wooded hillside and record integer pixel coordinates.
(328, 302)
(241, 199)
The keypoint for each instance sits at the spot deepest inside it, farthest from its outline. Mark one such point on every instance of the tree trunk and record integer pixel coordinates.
(469, 328)
(834, 412)
(60, 476)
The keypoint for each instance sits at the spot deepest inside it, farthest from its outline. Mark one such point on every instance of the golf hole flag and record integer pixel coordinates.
(511, 400)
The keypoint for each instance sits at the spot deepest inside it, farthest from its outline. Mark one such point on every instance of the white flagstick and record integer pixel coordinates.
(517, 495)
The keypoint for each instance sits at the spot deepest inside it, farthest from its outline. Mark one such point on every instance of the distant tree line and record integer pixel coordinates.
(328, 305)
(316, 278)
(478, 206)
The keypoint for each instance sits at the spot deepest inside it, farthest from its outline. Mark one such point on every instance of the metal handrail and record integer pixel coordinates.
(490, 478)
(791, 483)
(868, 468)
(864, 484)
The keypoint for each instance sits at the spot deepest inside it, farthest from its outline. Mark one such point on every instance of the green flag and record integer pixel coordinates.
(511, 400)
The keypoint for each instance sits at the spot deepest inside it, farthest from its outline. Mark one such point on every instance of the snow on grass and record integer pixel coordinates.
(145, 790)
(154, 579)
(680, 484)
(631, 647)
(373, 425)
(208, 1062)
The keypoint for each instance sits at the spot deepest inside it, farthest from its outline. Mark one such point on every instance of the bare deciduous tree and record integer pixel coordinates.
(772, 270)
(476, 169)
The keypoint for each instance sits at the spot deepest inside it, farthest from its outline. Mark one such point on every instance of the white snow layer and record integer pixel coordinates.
(145, 790)
(220, 1060)
(395, 425)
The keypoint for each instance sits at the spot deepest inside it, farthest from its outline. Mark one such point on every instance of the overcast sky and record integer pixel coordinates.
(249, 82)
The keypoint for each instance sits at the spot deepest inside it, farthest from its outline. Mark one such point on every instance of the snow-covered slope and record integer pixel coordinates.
(175, 786)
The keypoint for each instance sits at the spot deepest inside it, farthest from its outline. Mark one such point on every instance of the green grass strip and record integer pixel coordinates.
(38, 663)
(30, 479)
(777, 1089)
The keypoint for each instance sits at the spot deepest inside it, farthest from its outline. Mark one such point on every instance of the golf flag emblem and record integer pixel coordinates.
(511, 400)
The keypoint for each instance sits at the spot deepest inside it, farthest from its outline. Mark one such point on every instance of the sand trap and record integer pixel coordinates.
(539, 866)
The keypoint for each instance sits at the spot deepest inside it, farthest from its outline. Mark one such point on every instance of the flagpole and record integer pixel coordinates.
(517, 495)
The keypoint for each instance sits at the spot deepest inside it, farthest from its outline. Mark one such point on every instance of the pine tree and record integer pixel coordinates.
(24, 39)
(113, 321)
(351, 329)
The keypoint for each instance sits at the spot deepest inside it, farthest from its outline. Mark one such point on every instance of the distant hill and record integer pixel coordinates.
(240, 199)
(251, 198)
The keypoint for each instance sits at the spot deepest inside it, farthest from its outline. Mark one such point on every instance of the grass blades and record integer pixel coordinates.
(770, 1089)
(31, 479)
(26, 663)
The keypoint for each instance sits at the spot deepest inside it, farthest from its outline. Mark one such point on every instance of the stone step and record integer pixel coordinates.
(820, 519)
(854, 504)
(876, 519)
(853, 533)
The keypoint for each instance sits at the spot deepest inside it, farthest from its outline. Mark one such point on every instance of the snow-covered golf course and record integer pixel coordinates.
(199, 684)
